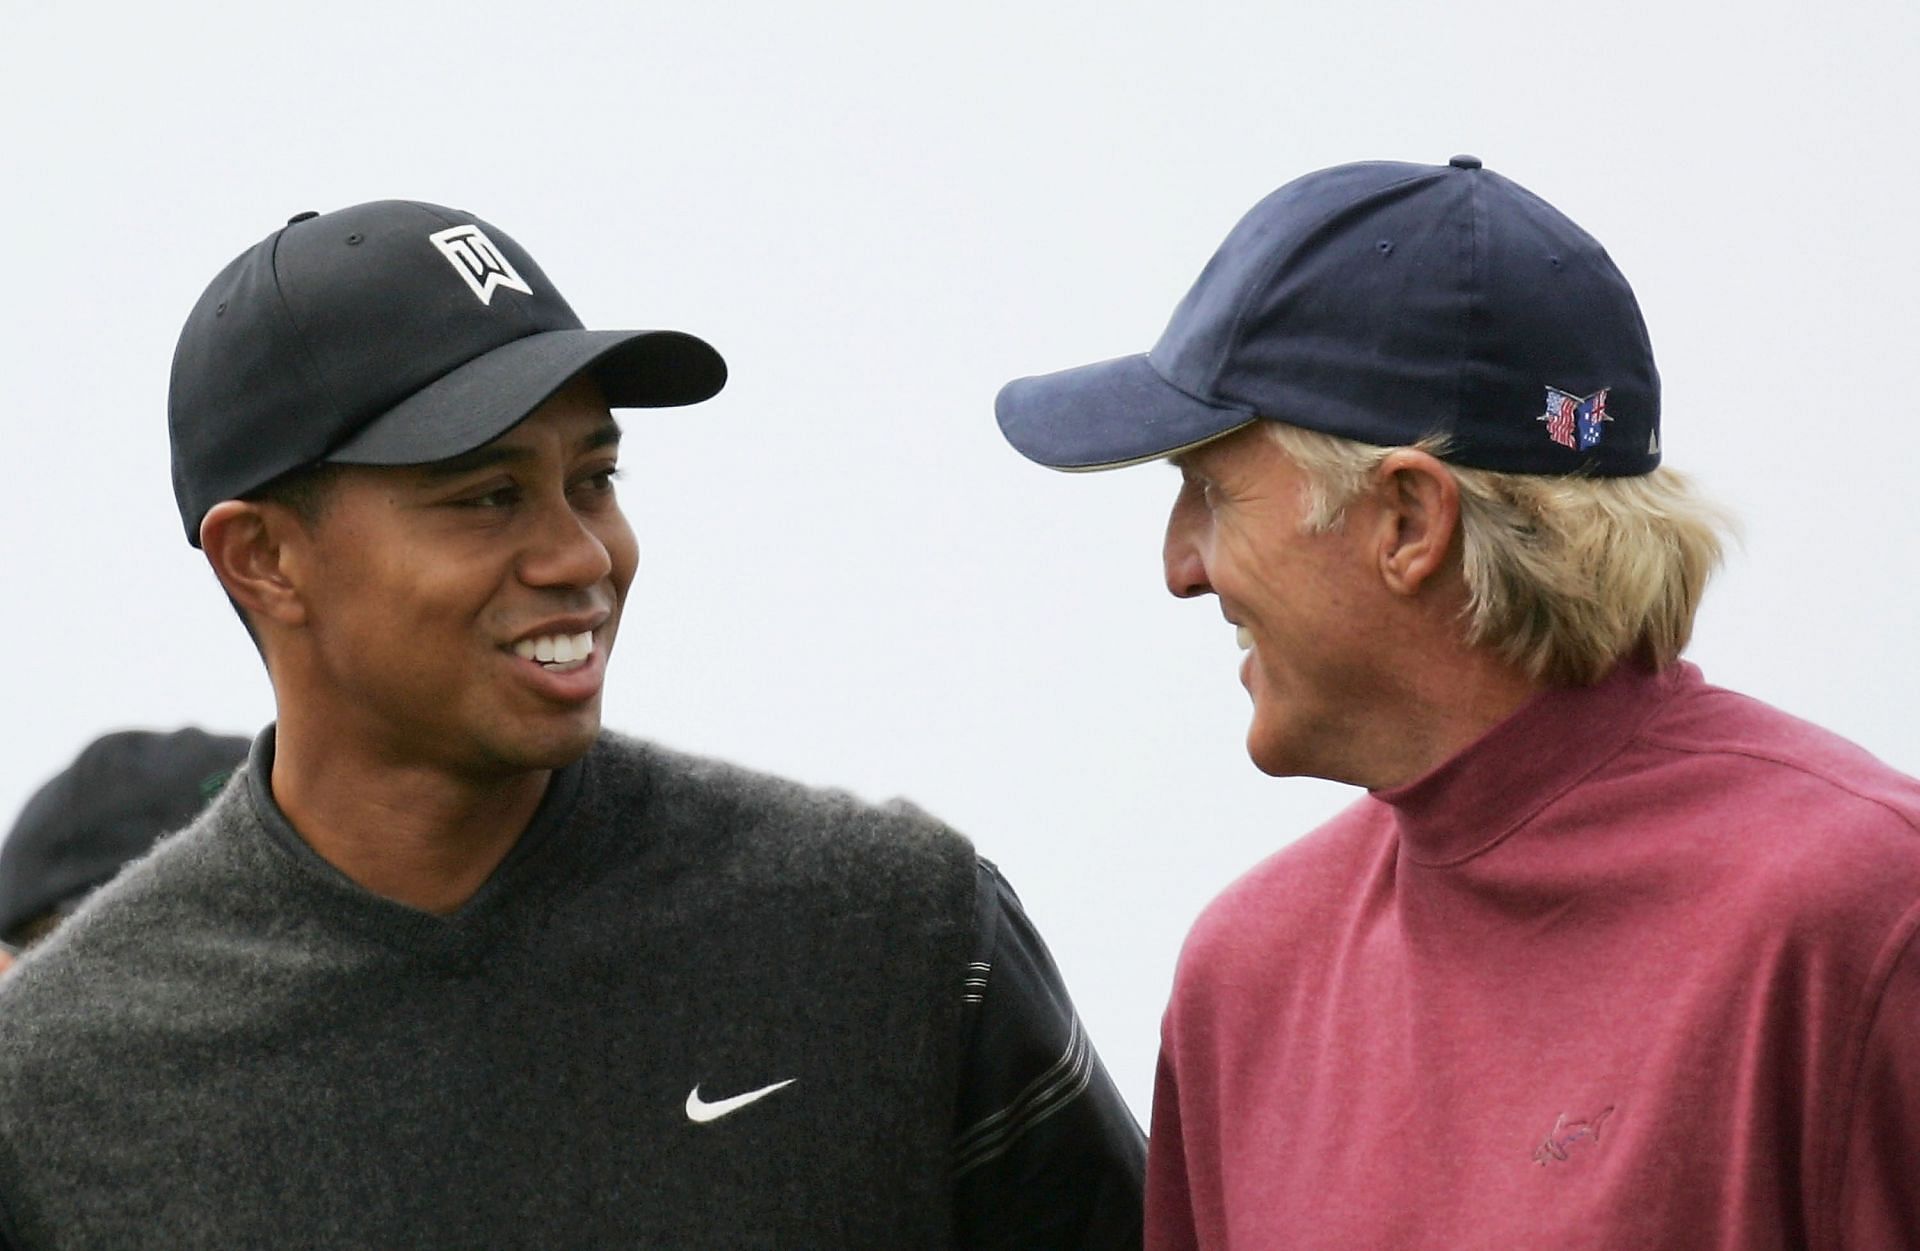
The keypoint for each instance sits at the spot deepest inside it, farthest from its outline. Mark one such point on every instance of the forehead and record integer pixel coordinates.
(1244, 448)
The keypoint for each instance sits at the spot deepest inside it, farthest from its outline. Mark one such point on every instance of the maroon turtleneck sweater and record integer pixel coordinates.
(1633, 970)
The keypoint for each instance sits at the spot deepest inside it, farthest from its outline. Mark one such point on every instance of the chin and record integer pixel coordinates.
(1273, 768)
(550, 747)
(1266, 759)
(1272, 754)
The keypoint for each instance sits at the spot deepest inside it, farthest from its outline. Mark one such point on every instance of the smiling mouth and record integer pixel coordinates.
(1244, 637)
(557, 653)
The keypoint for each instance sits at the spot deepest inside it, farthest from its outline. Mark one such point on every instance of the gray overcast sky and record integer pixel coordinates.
(879, 212)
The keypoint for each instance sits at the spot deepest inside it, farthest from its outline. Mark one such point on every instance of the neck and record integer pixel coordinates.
(1434, 695)
(1438, 709)
(419, 835)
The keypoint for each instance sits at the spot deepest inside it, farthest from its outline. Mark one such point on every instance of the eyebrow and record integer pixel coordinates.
(606, 434)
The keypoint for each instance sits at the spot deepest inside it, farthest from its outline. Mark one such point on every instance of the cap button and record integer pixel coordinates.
(300, 217)
(1464, 161)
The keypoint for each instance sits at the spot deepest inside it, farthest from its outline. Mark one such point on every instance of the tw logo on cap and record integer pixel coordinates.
(475, 258)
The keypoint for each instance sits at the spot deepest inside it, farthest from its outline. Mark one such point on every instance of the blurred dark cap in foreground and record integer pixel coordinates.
(109, 806)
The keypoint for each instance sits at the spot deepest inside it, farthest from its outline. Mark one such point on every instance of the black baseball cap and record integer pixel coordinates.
(1382, 302)
(390, 333)
(109, 806)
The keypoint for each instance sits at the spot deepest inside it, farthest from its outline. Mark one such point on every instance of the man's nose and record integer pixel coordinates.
(1180, 555)
(564, 551)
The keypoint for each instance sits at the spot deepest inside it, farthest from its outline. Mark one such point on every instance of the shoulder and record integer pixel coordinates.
(1284, 908)
(1776, 789)
(183, 885)
(740, 816)
(1764, 746)
(1777, 835)
(123, 963)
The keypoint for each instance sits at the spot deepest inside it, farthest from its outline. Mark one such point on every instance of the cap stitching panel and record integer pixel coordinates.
(318, 376)
(1273, 263)
(1472, 305)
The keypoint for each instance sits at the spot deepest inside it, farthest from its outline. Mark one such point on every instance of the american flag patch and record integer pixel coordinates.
(1574, 421)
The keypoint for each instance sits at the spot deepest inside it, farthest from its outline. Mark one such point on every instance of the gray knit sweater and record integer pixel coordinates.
(235, 1046)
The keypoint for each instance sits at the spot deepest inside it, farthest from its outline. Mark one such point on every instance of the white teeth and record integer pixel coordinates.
(1243, 636)
(556, 649)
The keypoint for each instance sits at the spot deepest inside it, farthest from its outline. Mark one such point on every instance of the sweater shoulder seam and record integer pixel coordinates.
(1805, 769)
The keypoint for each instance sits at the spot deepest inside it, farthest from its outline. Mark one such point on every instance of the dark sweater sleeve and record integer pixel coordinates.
(1046, 1153)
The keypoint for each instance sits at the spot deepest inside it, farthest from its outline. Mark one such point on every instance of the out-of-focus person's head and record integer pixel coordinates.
(108, 807)
(1417, 418)
(391, 435)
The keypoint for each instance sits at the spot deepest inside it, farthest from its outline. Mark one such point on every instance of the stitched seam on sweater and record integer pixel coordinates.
(1832, 1183)
(1834, 1180)
(1818, 775)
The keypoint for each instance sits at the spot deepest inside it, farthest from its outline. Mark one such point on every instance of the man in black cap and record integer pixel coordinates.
(450, 966)
(108, 807)
(1606, 957)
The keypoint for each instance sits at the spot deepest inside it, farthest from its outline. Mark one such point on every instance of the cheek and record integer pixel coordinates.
(1247, 567)
(413, 591)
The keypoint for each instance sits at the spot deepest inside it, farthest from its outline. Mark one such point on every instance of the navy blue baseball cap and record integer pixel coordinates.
(390, 333)
(1382, 302)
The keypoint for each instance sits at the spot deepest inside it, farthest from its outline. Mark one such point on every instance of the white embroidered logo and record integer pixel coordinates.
(699, 1111)
(475, 258)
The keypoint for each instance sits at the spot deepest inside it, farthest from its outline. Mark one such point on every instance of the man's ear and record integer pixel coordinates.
(1420, 503)
(247, 545)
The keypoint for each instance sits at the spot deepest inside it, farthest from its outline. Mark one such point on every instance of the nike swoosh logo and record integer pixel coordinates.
(699, 1111)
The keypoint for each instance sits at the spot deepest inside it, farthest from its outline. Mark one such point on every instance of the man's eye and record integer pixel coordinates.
(499, 497)
(601, 482)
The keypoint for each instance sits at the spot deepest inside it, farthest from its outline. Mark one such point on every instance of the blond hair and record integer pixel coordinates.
(1565, 575)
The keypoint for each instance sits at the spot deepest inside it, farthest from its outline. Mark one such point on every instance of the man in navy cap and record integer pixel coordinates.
(1605, 956)
(449, 966)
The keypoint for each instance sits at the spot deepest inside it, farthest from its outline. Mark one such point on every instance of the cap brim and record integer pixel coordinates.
(1107, 415)
(490, 394)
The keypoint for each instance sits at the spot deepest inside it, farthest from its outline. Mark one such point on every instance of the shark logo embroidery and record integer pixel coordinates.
(1566, 1134)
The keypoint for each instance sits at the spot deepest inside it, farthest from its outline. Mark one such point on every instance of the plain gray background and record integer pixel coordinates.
(879, 212)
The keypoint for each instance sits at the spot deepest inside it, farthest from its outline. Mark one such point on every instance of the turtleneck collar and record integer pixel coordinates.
(1497, 783)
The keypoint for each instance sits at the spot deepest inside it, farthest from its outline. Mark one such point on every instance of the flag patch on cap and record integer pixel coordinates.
(1574, 421)
(475, 258)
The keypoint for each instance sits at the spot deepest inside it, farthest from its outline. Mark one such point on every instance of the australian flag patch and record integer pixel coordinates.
(1574, 421)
